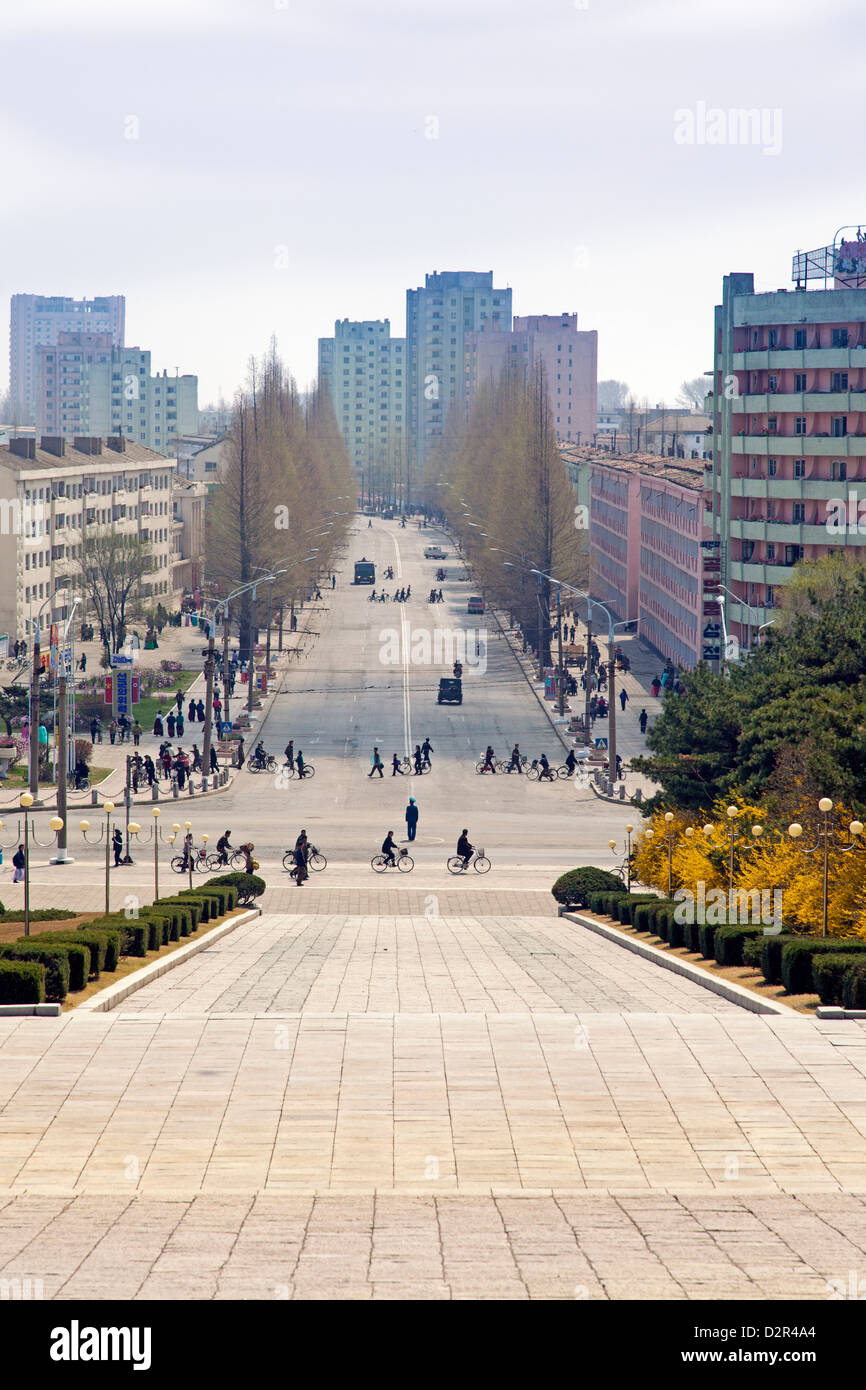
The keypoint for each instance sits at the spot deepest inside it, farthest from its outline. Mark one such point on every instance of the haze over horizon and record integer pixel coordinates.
(241, 170)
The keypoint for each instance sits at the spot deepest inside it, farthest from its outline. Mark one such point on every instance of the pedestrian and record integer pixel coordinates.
(376, 764)
(178, 695)
(289, 752)
(214, 765)
(82, 665)
(170, 723)
(199, 709)
(395, 766)
(191, 712)
(217, 709)
(241, 755)
(137, 731)
(293, 623)
(333, 581)
(417, 756)
(112, 730)
(157, 726)
(623, 699)
(180, 771)
(427, 748)
(196, 759)
(301, 846)
(18, 863)
(117, 846)
(149, 769)
(411, 818)
(655, 688)
(178, 724)
(642, 719)
(299, 763)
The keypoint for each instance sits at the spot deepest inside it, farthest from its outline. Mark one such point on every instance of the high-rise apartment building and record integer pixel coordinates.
(569, 359)
(789, 428)
(87, 386)
(37, 321)
(365, 370)
(439, 318)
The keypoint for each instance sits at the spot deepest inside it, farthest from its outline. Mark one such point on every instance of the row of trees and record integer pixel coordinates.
(701, 862)
(788, 724)
(287, 491)
(501, 486)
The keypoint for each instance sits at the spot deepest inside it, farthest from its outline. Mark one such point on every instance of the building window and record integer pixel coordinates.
(799, 513)
(839, 470)
(799, 337)
(799, 468)
(774, 337)
(771, 551)
(840, 426)
(799, 381)
(840, 337)
(799, 424)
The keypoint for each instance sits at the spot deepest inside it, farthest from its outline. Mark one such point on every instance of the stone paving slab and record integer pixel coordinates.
(431, 1246)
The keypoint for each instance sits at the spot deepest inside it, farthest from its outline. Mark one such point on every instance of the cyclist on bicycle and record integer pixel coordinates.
(259, 756)
(488, 761)
(571, 761)
(464, 849)
(81, 774)
(187, 849)
(545, 772)
(389, 844)
(516, 759)
(224, 849)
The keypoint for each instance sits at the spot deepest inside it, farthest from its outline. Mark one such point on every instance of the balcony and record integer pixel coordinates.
(800, 445)
(799, 402)
(794, 489)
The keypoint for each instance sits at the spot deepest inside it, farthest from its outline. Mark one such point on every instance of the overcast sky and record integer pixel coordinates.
(283, 172)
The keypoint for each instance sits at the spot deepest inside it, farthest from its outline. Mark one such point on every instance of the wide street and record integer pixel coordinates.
(420, 1086)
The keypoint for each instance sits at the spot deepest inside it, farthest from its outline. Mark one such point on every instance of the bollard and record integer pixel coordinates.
(174, 790)
(204, 784)
(94, 797)
(154, 792)
(191, 788)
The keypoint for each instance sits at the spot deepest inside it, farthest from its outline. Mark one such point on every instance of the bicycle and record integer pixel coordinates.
(402, 861)
(315, 860)
(408, 765)
(81, 784)
(537, 774)
(269, 765)
(235, 859)
(478, 859)
(482, 766)
(200, 862)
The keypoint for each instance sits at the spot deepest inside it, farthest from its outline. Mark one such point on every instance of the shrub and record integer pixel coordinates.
(647, 914)
(96, 943)
(132, 932)
(193, 908)
(706, 937)
(752, 946)
(729, 941)
(626, 906)
(676, 930)
(164, 912)
(692, 936)
(572, 888)
(607, 902)
(854, 985)
(22, 982)
(55, 960)
(249, 886)
(662, 922)
(39, 914)
(771, 956)
(828, 976)
(797, 957)
(77, 952)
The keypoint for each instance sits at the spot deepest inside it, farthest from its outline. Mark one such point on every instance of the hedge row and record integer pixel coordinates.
(572, 889)
(54, 964)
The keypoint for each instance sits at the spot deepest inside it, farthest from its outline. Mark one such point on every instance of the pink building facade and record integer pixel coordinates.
(569, 357)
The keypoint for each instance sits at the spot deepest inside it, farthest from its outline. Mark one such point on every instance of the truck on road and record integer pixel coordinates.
(365, 571)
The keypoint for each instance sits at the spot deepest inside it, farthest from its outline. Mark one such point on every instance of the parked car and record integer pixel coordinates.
(450, 691)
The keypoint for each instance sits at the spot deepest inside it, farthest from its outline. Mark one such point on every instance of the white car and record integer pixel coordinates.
(435, 552)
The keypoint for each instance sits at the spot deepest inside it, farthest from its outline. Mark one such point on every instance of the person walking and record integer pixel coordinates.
(178, 724)
(191, 712)
(170, 722)
(376, 764)
(18, 864)
(137, 731)
(180, 771)
(178, 695)
(199, 709)
(112, 731)
(427, 748)
(411, 818)
(417, 759)
(117, 846)
(299, 763)
(241, 755)
(623, 699)
(301, 848)
(214, 765)
(157, 725)
(655, 688)
(643, 719)
(395, 765)
(333, 581)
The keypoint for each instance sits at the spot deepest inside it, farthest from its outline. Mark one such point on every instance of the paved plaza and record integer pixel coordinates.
(420, 1086)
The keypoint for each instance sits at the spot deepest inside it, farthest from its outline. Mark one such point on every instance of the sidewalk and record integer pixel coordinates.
(186, 645)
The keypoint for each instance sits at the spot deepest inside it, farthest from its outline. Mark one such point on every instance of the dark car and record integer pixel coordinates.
(450, 691)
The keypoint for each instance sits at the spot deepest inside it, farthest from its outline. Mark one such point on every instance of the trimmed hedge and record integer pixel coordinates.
(797, 957)
(96, 943)
(22, 982)
(192, 909)
(248, 886)
(55, 959)
(170, 916)
(771, 955)
(77, 953)
(854, 986)
(729, 941)
(647, 913)
(626, 906)
(225, 895)
(676, 930)
(828, 975)
(605, 901)
(663, 921)
(692, 937)
(39, 914)
(134, 932)
(572, 888)
(706, 939)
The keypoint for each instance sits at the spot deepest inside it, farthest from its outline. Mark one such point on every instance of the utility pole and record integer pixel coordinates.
(561, 679)
(208, 699)
(251, 663)
(61, 857)
(268, 636)
(588, 670)
(34, 716)
(226, 682)
(611, 749)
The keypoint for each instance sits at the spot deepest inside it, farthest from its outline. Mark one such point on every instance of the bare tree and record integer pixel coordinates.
(111, 566)
(612, 394)
(691, 393)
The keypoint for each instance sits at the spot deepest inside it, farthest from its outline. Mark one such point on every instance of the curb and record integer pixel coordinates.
(29, 1010)
(115, 994)
(734, 993)
(527, 678)
(834, 1012)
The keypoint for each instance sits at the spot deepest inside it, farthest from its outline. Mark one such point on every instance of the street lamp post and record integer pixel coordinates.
(104, 831)
(612, 843)
(61, 737)
(26, 802)
(154, 835)
(822, 847)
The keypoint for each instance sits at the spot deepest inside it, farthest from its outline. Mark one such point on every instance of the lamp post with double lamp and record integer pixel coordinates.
(104, 831)
(822, 847)
(154, 834)
(612, 843)
(34, 697)
(61, 739)
(734, 839)
(26, 802)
